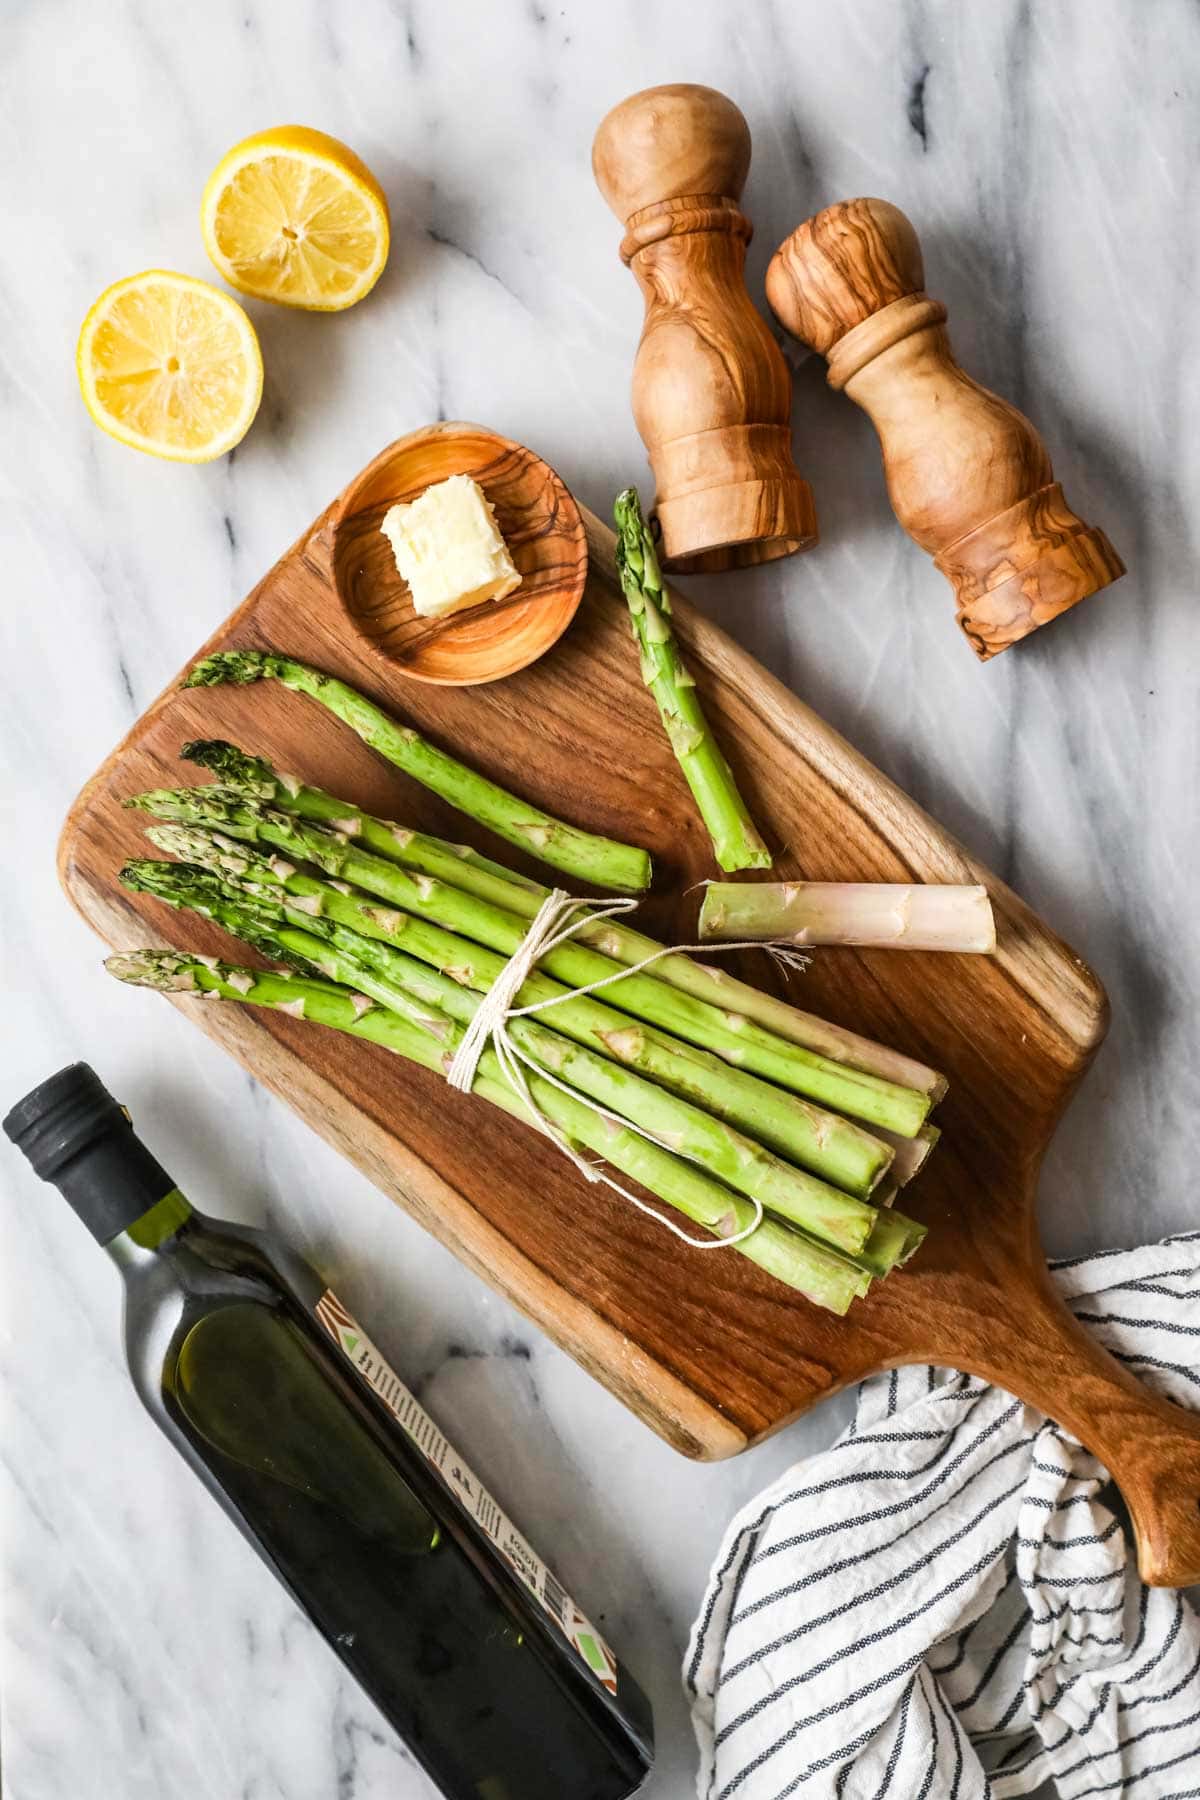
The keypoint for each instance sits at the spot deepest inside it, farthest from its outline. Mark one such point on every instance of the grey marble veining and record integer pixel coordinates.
(1049, 155)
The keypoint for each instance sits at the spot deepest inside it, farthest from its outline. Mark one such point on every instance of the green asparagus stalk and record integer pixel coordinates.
(459, 866)
(825, 1212)
(882, 915)
(735, 839)
(739, 1042)
(617, 868)
(823, 1278)
(824, 1143)
(892, 1242)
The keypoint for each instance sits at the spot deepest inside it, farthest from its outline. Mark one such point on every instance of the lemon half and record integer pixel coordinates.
(170, 365)
(293, 215)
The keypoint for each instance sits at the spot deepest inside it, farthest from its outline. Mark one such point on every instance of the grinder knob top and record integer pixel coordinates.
(669, 142)
(841, 266)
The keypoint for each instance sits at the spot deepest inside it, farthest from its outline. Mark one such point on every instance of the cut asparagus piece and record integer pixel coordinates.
(823, 1278)
(465, 868)
(735, 839)
(617, 868)
(824, 1143)
(879, 915)
(734, 1038)
(825, 1212)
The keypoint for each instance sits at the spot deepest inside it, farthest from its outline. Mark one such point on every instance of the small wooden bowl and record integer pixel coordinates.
(541, 525)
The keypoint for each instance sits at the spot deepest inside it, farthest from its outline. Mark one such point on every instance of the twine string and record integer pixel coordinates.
(558, 919)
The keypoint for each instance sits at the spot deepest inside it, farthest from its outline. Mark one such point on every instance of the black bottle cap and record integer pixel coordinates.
(78, 1137)
(61, 1117)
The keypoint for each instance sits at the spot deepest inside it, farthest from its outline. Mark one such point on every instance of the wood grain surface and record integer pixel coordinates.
(712, 395)
(705, 1348)
(968, 475)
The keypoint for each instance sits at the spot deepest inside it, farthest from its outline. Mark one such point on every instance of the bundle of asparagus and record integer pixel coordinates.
(725, 1103)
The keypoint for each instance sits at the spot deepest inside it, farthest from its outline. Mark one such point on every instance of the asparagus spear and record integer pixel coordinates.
(821, 1142)
(820, 1276)
(738, 1041)
(735, 840)
(825, 1212)
(881, 914)
(617, 868)
(465, 868)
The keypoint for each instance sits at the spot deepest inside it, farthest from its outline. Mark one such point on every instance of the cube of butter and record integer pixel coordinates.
(449, 549)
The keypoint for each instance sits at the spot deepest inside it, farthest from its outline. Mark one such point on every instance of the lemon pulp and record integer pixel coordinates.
(170, 365)
(293, 215)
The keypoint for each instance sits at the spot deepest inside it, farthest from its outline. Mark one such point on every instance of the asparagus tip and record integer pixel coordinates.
(139, 875)
(236, 666)
(631, 527)
(209, 850)
(165, 970)
(233, 767)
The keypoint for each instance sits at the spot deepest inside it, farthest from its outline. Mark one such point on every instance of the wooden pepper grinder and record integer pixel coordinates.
(969, 477)
(711, 391)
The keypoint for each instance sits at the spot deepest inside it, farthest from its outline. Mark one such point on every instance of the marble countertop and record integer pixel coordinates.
(1049, 158)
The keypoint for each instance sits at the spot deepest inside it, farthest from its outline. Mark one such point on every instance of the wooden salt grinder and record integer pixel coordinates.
(711, 391)
(969, 477)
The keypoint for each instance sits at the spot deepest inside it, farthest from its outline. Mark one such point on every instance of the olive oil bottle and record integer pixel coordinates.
(343, 1484)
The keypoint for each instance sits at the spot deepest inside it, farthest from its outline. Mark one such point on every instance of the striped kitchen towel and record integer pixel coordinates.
(943, 1604)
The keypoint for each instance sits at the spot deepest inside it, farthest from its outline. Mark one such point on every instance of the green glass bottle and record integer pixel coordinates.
(343, 1484)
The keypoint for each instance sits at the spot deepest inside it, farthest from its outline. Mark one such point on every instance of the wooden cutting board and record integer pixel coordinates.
(708, 1351)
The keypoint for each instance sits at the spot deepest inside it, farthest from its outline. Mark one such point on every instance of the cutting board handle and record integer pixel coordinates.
(1029, 1342)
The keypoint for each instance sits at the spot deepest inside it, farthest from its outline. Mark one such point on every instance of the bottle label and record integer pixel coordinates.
(466, 1488)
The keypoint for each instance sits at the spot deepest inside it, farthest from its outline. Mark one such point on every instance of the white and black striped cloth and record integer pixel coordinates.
(942, 1606)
